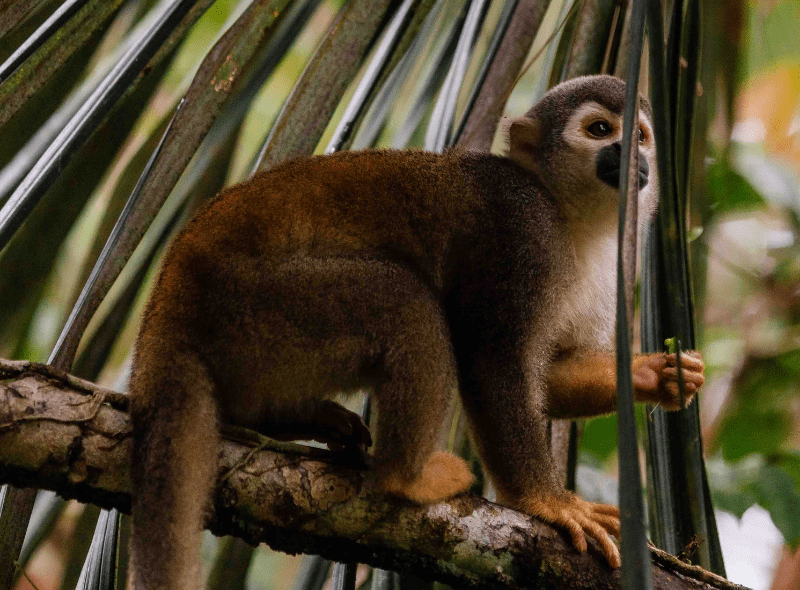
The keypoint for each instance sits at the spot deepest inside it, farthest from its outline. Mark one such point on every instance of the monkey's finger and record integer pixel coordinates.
(610, 551)
(694, 378)
(645, 382)
(692, 355)
(612, 555)
(690, 360)
(689, 390)
(671, 388)
(604, 514)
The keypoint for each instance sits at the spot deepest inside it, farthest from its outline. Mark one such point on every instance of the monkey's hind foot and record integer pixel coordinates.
(442, 477)
(655, 378)
(580, 518)
(339, 428)
(330, 424)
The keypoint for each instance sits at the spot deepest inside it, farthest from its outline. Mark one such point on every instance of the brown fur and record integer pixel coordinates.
(413, 274)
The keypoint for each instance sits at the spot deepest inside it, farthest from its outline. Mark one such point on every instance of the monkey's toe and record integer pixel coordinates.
(580, 518)
(443, 477)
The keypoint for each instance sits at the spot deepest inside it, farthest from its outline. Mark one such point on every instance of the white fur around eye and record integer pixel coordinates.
(575, 131)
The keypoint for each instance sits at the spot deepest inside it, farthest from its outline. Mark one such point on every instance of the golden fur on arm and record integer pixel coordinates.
(584, 385)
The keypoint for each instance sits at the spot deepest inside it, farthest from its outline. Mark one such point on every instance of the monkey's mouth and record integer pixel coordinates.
(607, 166)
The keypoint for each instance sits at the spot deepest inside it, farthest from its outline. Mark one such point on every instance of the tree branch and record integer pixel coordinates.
(68, 435)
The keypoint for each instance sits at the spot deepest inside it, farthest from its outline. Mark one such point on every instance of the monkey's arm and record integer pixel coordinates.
(582, 385)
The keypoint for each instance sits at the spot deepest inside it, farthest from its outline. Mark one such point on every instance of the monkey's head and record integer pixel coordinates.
(571, 140)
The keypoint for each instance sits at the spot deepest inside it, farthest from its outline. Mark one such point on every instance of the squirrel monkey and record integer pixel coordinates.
(415, 275)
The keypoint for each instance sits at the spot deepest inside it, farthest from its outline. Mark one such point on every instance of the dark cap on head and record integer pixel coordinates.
(562, 100)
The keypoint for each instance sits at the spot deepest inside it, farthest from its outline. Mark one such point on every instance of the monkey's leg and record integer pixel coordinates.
(585, 384)
(502, 393)
(327, 325)
(175, 457)
(411, 403)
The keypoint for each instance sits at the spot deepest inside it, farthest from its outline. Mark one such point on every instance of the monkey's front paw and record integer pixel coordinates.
(443, 476)
(580, 518)
(339, 428)
(655, 378)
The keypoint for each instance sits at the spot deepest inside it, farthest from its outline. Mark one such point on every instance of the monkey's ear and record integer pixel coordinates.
(524, 136)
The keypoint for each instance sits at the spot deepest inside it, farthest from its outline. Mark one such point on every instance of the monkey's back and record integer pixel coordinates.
(400, 204)
(442, 219)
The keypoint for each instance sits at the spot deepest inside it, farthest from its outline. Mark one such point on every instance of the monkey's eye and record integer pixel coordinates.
(600, 128)
(642, 136)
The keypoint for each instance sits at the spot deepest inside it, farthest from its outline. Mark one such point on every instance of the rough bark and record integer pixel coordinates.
(65, 434)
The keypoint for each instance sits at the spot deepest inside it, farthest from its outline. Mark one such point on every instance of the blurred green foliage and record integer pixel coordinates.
(759, 422)
(772, 483)
(771, 36)
(732, 190)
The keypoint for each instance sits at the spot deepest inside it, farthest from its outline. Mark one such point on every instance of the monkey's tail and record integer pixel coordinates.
(174, 467)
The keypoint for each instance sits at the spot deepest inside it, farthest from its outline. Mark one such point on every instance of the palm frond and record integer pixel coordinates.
(684, 509)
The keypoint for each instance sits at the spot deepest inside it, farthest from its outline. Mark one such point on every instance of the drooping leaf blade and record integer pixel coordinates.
(231, 564)
(18, 518)
(691, 501)
(636, 571)
(592, 36)
(343, 576)
(315, 96)
(16, 506)
(14, 13)
(504, 59)
(430, 84)
(213, 84)
(73, 25)
(368, 83)
(313, 573)
(440, 128)
(99, 571)
(56, 20)
(88, 118)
